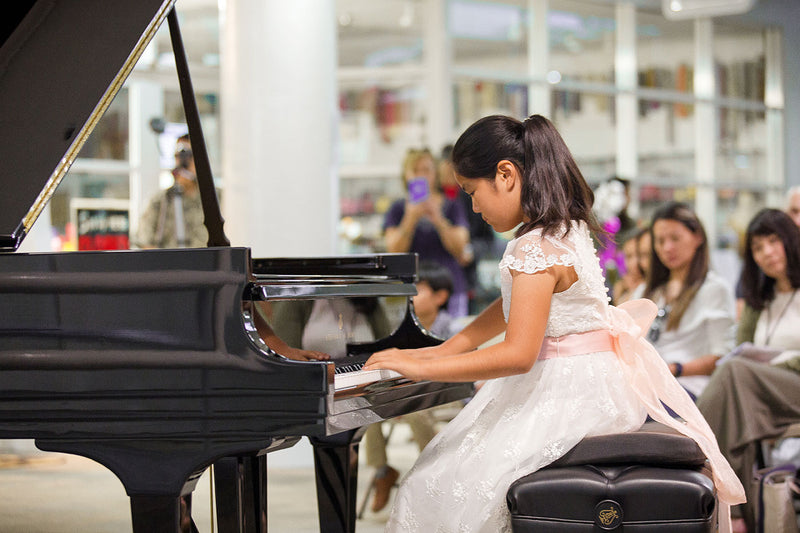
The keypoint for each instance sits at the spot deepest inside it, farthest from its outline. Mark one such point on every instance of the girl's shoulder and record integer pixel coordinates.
(715, 283)
(566, 237)
(535, 251)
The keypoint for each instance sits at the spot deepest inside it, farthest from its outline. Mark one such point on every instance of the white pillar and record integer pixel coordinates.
(774, 99)
(279, 126)
(538, 58)
(705, 127)
(438, 80)
(627, 107)
(145, 101)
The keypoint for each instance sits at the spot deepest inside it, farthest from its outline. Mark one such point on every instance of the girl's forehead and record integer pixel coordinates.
(669, 225)
(765, 237)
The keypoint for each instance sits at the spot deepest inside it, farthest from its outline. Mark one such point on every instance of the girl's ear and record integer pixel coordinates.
(507, 174)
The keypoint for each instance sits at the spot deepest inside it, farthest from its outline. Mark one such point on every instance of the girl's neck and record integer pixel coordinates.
(678, 275)
(783, 284)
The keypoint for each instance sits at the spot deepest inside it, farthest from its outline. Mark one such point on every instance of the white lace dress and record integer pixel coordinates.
(518, 424)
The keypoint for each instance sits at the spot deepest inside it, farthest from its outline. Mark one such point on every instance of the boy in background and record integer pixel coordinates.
(434, 287)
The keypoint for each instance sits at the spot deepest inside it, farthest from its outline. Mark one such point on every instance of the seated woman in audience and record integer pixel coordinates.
(695, 324)
(748, 401)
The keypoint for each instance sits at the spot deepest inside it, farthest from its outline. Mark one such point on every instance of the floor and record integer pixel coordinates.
(44, 492)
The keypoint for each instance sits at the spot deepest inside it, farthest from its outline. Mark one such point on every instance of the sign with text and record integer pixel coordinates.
(101, 223)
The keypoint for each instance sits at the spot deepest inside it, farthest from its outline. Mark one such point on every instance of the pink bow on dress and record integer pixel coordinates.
(651, 379)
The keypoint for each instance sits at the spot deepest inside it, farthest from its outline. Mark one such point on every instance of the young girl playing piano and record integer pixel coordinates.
(569, 366)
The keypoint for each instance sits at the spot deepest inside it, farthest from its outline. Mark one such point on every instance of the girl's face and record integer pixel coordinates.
(427, 302)
(675, 244)
(769, 254)
(493, 200)
(631, 255)
(644, 249)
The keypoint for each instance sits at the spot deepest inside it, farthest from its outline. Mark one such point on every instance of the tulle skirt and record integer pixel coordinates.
(512, 427)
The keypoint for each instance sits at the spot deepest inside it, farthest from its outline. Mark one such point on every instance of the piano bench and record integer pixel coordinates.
(649, 481)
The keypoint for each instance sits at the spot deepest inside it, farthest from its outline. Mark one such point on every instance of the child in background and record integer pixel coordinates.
(570, 365)
(634, 275)
(434, 287)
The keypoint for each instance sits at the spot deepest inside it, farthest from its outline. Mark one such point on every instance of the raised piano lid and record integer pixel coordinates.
(61, 64)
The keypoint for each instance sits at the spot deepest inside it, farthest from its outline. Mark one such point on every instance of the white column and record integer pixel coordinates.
(626, 77)
(438, 80)
(279, 126)
(774, 100)
(538, 58)
(145, 101)
(705, 127)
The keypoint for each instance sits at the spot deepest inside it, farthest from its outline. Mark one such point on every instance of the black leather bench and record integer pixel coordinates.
(650, 481)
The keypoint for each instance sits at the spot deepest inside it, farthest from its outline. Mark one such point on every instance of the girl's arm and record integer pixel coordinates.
(486, 326)
(702, 366)
(515, 354)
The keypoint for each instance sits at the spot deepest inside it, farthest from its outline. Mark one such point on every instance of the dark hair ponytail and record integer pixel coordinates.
(554, 191)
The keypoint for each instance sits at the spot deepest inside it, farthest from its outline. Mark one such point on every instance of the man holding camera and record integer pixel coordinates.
(174, 217)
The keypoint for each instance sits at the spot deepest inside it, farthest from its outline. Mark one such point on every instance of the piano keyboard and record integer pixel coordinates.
(348, 374)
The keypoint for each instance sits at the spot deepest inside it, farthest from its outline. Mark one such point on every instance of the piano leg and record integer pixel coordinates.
(156, 514)
(241, 493)
(336, 468)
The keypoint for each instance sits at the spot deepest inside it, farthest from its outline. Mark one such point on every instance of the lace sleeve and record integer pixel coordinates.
(535, 253)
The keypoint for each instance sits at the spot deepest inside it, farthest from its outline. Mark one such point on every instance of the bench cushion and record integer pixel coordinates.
(647, 481)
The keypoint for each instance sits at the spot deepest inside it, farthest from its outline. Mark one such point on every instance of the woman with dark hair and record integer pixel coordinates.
(695, 324)
(748, 401)
(569, 365)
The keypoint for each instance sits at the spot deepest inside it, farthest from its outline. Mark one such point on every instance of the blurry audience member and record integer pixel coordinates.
(434, 287)
(611, 209)
(626, 285)
(793, 204)
(174, 217)
(746, 315)
(644, 247)
(427, 223)
(748, 401)
(695, 323)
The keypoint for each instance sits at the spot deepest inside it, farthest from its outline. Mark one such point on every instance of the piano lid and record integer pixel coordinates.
(61, 64)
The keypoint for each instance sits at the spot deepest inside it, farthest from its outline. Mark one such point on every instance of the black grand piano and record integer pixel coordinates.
(149, 361)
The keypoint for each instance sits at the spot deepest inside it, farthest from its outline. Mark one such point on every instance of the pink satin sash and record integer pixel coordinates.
(595, 341)
(653, 382)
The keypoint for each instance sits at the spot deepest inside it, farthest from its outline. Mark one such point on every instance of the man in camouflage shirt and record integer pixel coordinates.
(174, 217)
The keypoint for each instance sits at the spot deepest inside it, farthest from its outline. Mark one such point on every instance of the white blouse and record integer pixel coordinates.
(777, 325)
